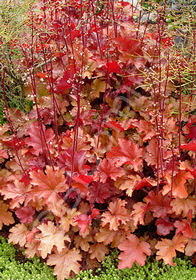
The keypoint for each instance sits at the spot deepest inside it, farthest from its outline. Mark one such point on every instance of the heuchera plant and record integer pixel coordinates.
(106, 156)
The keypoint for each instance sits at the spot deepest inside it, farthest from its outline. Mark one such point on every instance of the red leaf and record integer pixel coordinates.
(192, 128)
(84, 220)
(108, 169)
(37, 139)
(67, 81)
(41, 75)
(98, 192)
(14, 143)
(128, 152)
(129, 45)
(158, 204)
(81, 182)
(167, 41)
(114, 125)
(74, 34)
(83, 179)
(134, 250)
(145, 182)
(94, 213)
(164, 226)
(111, 67)
(25, 214)
(65, 161)
(184, 227)
(191, 146)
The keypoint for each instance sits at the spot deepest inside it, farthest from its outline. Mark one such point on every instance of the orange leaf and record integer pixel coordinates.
(105, 236)
(48, 184)
(183, 206)
(184, 227)
(133, 182)
(50, 236)
(18, 234)
(5, 216)
(179, 180)
(116, 215)
(128, 152)
(98, 251)
(16, 191)
(83, 243)
(152, 152)
(138, 213)
(98, 86)
(134, 250)
(167, 248)
(65, 262)
(190, 248)
(32, 249)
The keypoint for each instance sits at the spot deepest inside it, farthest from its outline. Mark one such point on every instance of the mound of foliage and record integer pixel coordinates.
(106, 157)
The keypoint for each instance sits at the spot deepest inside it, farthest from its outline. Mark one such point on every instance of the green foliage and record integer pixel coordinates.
(13, 16)
(150, 271)
(13, 269)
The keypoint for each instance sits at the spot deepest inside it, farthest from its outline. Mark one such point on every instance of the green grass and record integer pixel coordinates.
(13, 268)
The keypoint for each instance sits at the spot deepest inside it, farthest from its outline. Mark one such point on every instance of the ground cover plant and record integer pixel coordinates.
(14, 266)
(105, 158)
(155, 270)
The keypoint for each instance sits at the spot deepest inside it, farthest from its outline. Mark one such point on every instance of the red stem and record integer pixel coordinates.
(114, 21)
(34, 90)
(172, 175)
(11, 125)
(180, 112)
